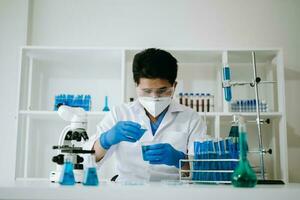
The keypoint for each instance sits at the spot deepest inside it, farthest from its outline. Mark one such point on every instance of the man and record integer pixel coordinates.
(154, 117)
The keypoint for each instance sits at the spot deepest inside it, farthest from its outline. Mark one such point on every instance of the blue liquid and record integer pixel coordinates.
(106, 108)
(90, 176)
(67, 176)
(227, 90)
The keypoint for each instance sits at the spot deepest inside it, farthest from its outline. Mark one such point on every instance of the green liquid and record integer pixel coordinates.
(243, 175)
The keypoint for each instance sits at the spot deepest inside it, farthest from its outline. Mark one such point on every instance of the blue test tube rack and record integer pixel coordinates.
(83, 101)
(214, 161)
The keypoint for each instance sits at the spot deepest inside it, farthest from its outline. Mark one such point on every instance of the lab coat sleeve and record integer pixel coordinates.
(104, 125)
(197, 130)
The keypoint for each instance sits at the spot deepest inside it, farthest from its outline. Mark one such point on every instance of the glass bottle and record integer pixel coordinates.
(243, 175)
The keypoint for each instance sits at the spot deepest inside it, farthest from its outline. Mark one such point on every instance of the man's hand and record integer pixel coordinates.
(163, 154)
(122, 131)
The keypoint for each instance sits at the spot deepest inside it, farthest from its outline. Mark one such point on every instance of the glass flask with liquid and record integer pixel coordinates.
(243, 175)
(67, 174)
(90, 172)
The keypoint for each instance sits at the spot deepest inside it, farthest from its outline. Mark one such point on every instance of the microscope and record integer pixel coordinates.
(69, 144)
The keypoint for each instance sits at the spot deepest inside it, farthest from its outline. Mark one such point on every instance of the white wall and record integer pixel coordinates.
(13, 15)
(169, 23)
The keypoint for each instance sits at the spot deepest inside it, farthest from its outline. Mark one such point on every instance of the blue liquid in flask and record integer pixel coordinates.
(90, 176)
(106, 108)
(67, 176)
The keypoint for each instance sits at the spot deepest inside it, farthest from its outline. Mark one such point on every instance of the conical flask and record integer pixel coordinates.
(243, 175)
(90, 172)
(67, 174)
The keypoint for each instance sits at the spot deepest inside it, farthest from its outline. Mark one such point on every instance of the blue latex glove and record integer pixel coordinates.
(163, 154)
(122, 131)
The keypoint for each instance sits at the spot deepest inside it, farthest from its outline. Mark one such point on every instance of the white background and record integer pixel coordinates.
(141, 23)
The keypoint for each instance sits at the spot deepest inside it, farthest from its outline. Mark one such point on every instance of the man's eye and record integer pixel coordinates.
(147, 91)
(161, 91)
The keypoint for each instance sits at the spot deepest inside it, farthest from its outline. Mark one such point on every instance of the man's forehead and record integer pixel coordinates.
(156, 83)
(159, 88)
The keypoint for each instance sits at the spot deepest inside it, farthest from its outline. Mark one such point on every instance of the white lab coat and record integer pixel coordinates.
(180, 127)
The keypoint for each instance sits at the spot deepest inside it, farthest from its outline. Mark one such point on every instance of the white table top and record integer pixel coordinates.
(43, 189)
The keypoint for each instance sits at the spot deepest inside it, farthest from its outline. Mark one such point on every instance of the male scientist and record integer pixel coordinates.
(153, 118)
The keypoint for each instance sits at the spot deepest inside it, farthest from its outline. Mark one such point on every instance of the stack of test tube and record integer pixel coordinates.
(215, 160)
(83, 101)
(248, 105)
(200, 102)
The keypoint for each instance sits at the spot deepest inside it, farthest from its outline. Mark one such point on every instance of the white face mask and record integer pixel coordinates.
(155, 105)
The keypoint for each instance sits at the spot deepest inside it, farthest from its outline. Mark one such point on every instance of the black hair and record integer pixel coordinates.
(154, 63)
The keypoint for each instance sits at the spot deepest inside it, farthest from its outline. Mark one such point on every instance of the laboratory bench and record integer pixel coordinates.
(44, 189)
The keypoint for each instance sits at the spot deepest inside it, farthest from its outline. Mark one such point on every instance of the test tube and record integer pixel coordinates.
(247, 105)
(212, 103)
(207, 102)
(222, 156)
(265, 106)
(195, 175)
(186, 99)
(181, 98)
(234, 106)
(226, 78)
(242, 106)
(251, 105)
(191, 100)
(197, 102)
(260, 106)
(202, 97)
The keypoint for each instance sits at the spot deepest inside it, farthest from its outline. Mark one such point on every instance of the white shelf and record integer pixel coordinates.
(263, 56)
(39, 114)
(105, 71)
(246, 114)
(252, 114)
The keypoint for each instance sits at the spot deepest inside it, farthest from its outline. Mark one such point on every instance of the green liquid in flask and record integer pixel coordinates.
(243, 175)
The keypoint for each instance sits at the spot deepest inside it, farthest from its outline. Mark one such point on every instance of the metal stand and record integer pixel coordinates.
(260, 144)
(261, 150)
